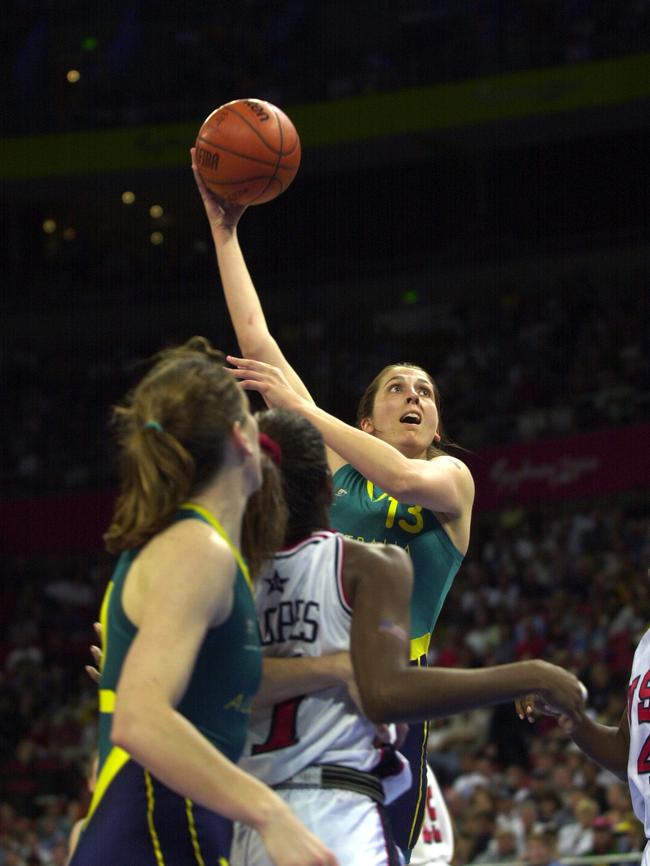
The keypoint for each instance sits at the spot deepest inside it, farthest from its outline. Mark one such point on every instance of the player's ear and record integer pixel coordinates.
(241, 440)
(367, 426)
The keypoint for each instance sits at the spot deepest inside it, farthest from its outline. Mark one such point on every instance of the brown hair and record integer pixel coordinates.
(367, 403)
(265, 519)
(171, 431)
(305, 473)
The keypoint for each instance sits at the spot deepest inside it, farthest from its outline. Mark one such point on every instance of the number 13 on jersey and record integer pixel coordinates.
(414, 510)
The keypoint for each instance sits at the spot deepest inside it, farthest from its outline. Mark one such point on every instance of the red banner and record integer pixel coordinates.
(575, 467)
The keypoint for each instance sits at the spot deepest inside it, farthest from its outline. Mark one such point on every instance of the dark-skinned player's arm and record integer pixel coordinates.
(378, 580)
(607, 745)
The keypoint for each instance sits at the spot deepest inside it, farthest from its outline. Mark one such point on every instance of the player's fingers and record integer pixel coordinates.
(249, 363)
(98, 630)
(93, 673)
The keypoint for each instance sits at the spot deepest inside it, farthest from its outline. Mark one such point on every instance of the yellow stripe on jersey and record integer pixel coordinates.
(218, 528)
(106, 701)
(420, 646)
(193, 834)
(155, 841)
(415, 827)
(103, 619)
(117, 758)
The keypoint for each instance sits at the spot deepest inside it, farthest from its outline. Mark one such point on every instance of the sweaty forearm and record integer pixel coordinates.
(372, 457)
(413, 694)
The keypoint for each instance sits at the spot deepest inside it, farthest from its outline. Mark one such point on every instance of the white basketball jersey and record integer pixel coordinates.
(638, 716)
(302, 611)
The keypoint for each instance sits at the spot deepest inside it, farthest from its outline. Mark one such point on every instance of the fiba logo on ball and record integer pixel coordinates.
(247, 151)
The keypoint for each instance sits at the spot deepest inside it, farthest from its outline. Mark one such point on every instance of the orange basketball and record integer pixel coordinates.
(248, 151)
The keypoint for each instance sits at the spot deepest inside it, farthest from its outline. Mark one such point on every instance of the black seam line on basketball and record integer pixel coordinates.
(243, 180)
(275, 167)
(259, 134)
(242, 155)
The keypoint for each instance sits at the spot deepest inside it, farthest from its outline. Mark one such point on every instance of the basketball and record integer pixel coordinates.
(247, 151)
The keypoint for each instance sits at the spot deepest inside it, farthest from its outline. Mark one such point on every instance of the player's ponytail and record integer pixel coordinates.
(171, 433)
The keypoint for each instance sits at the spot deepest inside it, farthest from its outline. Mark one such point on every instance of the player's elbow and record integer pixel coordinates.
(128, 724)
(255, 342)
(378, 704)
(123, 728)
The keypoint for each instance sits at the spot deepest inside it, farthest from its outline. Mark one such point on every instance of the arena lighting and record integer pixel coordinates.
(69, 234)
(49, 226)
(128, 197)
(156, 238)
(156, 211)
(73, 75)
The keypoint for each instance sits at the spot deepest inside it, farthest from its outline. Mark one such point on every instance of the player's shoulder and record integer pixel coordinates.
(458, 470)
(189, 545)
(452, 462)
(360, 555)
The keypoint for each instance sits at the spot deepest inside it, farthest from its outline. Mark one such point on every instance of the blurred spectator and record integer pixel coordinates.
(577, 837)
(541, 848)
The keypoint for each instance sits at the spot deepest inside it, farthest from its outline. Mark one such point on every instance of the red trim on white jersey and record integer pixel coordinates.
(346, 602)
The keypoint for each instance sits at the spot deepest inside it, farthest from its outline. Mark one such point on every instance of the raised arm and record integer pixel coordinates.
(246, 313)
(378, 579)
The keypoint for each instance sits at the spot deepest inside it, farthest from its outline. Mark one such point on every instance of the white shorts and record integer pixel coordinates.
(351, 824)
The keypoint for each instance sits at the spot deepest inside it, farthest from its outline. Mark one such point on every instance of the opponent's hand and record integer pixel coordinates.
(221, 214)
(562, 696)
(97, 654)
(269, 381)
(289, 843)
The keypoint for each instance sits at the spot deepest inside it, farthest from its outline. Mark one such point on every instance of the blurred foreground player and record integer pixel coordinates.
(182, 658)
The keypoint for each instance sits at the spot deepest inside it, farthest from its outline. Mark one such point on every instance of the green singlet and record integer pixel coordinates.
(362, 511)
(227, 670)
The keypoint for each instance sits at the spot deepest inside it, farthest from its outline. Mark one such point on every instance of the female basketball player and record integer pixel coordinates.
(325, 593)
(178, 608)
(391, 482)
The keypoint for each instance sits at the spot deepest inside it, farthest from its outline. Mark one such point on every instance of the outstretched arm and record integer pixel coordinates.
(607, 745)
(442, 485)
(246, 313)
(378, 579)
(283, 679)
